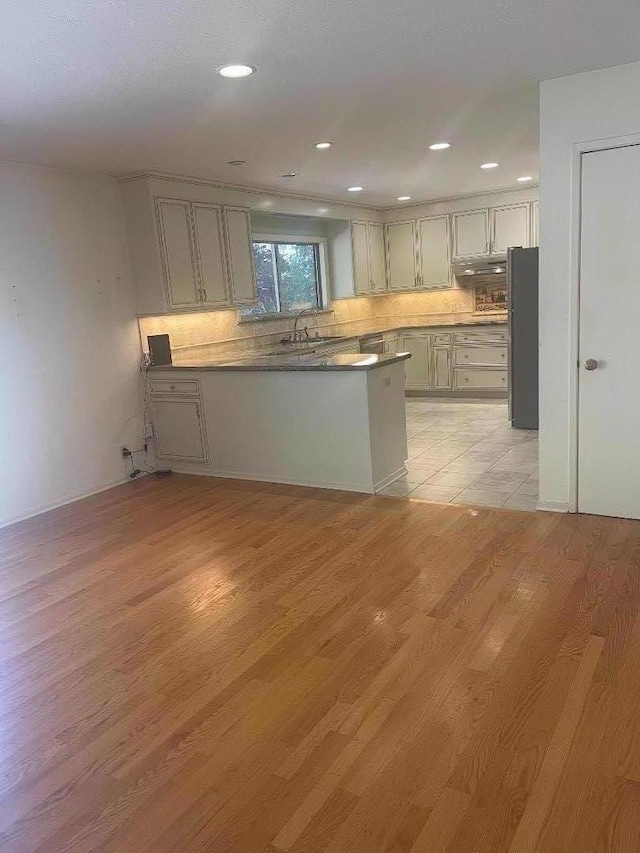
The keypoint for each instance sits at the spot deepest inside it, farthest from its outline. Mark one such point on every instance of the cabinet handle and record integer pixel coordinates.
(204, 294)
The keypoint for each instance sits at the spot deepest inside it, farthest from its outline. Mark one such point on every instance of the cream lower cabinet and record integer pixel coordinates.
(429, 367)
(442, 373)
(179, 429)
(369, 262)
(472, 361)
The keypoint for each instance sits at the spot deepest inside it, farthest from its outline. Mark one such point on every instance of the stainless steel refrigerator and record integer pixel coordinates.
(522, 295)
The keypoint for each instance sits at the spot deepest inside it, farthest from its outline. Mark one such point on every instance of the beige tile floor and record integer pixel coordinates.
(465, 452)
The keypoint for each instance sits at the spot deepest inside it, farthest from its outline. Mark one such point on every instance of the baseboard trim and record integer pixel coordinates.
(390, 479)
(281, 481)
(66, 501)
(553, 506)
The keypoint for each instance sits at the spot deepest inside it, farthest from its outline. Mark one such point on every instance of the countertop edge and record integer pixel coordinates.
(381, 361)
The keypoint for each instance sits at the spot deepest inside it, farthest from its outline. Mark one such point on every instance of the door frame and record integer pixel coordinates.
(578, 149)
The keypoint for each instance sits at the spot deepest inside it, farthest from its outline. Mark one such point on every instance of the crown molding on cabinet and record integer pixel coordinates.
(252, 190)
(459, 197)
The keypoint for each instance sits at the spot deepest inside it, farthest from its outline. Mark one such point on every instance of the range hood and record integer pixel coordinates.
(485, 266)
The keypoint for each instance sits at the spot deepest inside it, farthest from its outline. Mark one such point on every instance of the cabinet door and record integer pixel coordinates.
(417, 373)
(442, 368)
(535, 223)
(360, 249)
(377, 264)
(242, 274)
(209, 242)
(176, 245)
(401, 255)
(509, 227)
(470, 234)
(179, 429)
(433, 252)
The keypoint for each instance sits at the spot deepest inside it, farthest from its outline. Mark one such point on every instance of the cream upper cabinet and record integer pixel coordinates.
(377, 261)
(434, 254)
(535, 223)
(178, 254)
(401, 255)
(509, 227)
(209, 244)
(470, 234)
(360, 251)
(369, 267)
(242, 274)
(207, 257)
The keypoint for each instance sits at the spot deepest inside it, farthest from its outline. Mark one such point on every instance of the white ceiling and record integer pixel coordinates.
(130, 85)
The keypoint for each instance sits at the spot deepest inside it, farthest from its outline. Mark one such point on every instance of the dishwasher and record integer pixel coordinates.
(374, 345)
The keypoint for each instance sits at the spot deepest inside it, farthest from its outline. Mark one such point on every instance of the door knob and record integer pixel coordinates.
(590, 364)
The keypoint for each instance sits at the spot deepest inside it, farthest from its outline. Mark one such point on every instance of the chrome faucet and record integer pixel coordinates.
(295, 335)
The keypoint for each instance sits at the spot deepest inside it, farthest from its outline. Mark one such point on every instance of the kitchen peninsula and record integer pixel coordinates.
(333, 421)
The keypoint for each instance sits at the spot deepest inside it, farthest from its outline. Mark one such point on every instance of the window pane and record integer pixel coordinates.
(264, 256)
(298, 276)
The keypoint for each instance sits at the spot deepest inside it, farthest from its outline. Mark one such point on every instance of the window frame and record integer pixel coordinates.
(324, 290)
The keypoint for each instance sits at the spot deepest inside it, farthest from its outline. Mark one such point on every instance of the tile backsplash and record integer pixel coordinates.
(209, 333)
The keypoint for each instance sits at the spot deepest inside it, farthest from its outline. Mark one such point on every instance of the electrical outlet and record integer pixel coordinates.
(386, 382)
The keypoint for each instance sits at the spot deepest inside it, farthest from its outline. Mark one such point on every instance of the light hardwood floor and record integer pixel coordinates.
(202, 665)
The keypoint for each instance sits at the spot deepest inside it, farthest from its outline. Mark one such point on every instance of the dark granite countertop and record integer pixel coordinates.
(295, 362)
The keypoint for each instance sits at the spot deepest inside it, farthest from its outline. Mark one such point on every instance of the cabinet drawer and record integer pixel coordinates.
(485, 336)
(442, 338)
(479, 378)
(174, 386)
(481, 354)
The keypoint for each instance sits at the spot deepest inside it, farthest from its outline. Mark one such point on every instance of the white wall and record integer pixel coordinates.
(69, 347)
(583, 108)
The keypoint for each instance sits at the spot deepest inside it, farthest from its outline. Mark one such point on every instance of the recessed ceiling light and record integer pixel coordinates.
(440, 146)
(236, 163)
(489, 166)
(288, 174)
(524, 178)
(355, 189)
(322, 145)
(236, 71)
(404, 198)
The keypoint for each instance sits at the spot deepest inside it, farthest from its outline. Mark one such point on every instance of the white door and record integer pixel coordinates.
(509, 228)
(401, 255)
(471, 234)
(377, 264)
(207, 220)
(360, 250)
(181, 279)
(433, 252)
(609, 341)
(242, 273)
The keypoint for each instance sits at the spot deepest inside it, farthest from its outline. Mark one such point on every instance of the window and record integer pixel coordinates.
(289, 277)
